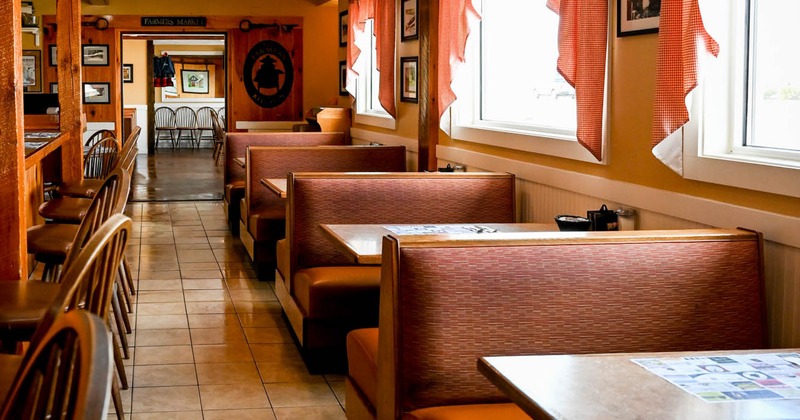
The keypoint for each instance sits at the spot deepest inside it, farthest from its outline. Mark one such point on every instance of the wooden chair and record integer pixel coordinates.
(205, 122)
(28, 307)
(67, 375)
(219, 137)
(221, 115)
(165, 124)
(97, 136)
(50, 243)
(186, 123)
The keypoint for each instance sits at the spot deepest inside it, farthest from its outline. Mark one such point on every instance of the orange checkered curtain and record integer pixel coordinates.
(383, 14)
(456, 17)
(582, 40)
(681, 31)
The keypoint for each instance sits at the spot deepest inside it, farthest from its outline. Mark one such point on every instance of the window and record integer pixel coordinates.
(747, 131)
(512, 95)
(368, 107)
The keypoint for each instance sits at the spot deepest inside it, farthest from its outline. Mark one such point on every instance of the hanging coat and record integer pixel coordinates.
(163, 71)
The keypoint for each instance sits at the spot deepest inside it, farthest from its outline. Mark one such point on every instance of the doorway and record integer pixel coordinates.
(175, 165)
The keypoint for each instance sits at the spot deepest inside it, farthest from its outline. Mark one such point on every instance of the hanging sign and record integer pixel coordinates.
(174, 21)
(268, 74)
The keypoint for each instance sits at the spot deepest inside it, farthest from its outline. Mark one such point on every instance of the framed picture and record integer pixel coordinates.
(32, 70)
(408, 20)
(408, 81)
(194, 81)
(127, 73)
(636, 17)
(53, 87)
(343, 78)
(343, 25)
(95, 54)
(97, 93)
(53, 55)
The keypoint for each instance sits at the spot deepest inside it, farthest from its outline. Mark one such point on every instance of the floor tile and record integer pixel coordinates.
(170, 337)
(154, 296)
(213, 320)
(222, 353)
(203, 284)
(215, 397)
(153, 322)
(227, 373)
(200, 308)
(172, 415)
(232, 334)
(165, 398)
(163, 355)
(165, 375)
(262, 320)
(286, 371)
(163, 308)
(310, 413)
(267, 335)
(205, 295)
(248, 414)
(295, 394)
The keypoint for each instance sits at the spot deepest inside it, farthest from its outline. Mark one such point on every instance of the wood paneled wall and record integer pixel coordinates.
(240, 105)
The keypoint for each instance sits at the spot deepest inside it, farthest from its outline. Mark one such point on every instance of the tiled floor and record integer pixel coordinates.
(209, 339)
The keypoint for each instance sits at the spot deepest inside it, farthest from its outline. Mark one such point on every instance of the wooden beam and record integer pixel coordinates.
(428, 24)
(13, 249)
(97, 2)
(70, 91)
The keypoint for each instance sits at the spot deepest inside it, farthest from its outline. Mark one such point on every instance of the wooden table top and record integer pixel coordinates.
(610, 386)
(276, 185)
(364, 242)
(239, 161)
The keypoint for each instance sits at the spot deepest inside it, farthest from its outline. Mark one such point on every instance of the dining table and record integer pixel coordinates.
(363, 242)
(276, 185)
(623, 386)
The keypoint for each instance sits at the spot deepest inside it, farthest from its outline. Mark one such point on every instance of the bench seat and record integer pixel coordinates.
(326, 293)
(262, 214)
(545, 293)
(236, 146)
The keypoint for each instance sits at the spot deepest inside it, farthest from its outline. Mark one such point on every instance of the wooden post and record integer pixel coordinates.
(151, 100)
(428, 18)
(13, 249)
(70, 91)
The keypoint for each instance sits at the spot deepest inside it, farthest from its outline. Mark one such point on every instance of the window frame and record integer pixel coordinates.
(713, 140)
(465, 121)
(367, 63)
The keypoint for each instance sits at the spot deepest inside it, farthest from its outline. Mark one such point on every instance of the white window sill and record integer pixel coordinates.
(375, 120)
(553, 145)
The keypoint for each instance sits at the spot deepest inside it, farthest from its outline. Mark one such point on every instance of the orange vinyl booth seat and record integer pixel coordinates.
(445, 304)
(235, 147)
(323, 292)
(262, 220)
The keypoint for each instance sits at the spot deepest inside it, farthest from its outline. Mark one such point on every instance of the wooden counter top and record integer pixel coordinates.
(39, 144)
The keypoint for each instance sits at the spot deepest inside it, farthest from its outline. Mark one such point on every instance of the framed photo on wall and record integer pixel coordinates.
(408, 81)
(194, 81)
(635, 17)
(343, 78)
(95, 54)
(97, 93)
(127, 73)
(32, 70)
(53, 87)
(408, 20)
(343, 25)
